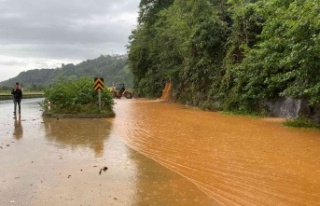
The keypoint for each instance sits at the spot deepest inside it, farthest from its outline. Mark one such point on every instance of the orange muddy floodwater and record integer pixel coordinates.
(155, 154)
(234, 160)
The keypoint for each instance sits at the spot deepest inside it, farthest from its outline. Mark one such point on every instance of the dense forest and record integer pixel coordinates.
(112, 68)
(237, 52)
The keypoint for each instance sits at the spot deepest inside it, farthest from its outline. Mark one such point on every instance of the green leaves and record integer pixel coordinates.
(289, 53)
(242, 51)
(70, 96)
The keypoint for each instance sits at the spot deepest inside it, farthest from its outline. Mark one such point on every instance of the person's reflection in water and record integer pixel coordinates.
(18, 130)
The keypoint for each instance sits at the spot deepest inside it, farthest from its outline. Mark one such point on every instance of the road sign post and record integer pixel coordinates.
(99, 96)
(98, 86)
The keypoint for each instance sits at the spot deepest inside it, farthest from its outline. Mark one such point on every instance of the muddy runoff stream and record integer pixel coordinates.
(234, 160)
(154, 153)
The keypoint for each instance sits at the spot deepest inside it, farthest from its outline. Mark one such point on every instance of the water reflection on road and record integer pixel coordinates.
(60, 161)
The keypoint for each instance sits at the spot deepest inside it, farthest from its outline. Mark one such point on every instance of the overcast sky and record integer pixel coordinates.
(37, 34)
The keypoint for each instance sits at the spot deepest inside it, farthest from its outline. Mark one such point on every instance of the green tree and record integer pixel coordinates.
(142, 55)
(241, 52)
(286, 62)
(247, 24)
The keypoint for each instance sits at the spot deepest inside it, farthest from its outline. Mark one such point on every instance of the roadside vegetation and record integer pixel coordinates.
(7, 90)
(302, 123)
(239, 52)
(76, 97)
(5, 94)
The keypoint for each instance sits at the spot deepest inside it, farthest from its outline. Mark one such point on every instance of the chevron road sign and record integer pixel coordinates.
(98, 84)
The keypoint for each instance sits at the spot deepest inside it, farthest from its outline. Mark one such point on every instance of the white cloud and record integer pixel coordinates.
(12, 66)
(46, 33)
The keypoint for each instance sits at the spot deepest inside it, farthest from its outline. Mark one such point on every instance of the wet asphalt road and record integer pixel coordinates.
(153, 153)
(80, 162)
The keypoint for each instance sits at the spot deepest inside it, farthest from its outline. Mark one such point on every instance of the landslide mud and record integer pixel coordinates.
(234, 160)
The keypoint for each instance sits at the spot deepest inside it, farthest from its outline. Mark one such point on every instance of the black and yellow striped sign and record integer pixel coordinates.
(98, 84)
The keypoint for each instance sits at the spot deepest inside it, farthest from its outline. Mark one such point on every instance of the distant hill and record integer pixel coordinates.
(112, 68)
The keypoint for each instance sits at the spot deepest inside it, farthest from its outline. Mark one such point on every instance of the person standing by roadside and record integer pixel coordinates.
(17, 96)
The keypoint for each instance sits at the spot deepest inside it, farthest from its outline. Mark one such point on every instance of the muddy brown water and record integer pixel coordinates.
(234, 160)
(156, 154)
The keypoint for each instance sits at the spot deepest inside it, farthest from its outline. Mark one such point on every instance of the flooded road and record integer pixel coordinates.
(155, 153)
(80, 162)
(234, 160)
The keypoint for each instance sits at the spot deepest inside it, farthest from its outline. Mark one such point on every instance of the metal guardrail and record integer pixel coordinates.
(25, 96)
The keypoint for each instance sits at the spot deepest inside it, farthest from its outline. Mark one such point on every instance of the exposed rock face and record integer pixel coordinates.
(290, 108)
(284, 107)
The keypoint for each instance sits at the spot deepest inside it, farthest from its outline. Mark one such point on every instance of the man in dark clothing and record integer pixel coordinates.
(17, 96)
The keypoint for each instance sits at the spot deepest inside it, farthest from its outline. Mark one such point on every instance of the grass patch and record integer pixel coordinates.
(242, 113)
(302, 123)
(23, 93)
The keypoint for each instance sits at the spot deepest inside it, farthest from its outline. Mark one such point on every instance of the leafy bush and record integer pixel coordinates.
(77, 96)
(286, 60)
(302, 122)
